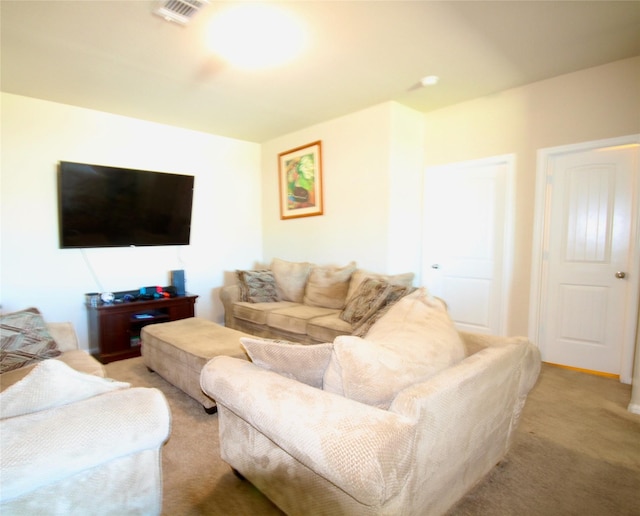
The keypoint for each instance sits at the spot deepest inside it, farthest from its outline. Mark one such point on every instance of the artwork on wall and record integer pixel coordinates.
(300, 181)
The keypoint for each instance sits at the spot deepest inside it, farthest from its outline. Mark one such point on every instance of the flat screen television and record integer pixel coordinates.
(102, 206)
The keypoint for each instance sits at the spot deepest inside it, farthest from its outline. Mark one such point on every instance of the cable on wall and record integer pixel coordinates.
(95, 277)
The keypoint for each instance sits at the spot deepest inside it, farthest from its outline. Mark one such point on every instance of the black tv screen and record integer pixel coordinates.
(103, 206)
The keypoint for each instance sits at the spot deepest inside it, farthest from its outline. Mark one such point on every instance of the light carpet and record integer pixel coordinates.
(577, 451)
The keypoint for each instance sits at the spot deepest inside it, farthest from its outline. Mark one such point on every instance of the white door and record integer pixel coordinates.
(466, 257)
(587, 296)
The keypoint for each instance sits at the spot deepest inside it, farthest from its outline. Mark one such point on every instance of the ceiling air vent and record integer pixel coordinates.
(179, 11)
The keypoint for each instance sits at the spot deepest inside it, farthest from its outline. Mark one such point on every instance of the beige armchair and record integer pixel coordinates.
(316, 452)
(78, 443)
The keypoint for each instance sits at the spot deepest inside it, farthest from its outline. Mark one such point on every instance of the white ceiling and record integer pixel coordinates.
(116, 56)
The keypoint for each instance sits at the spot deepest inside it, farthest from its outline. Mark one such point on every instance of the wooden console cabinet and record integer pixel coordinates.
(115, 328)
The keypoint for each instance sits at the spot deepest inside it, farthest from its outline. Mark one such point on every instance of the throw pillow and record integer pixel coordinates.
(24, 339)
(412, 342)
(394, 293)
(304, 363)
(291, 279)
(367, 300)
(404, 279)
(50, 384)
(258, 286)
(419, 323)
(370, 373)
(328, 286)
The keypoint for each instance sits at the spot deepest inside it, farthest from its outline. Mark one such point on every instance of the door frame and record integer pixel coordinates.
(506, 275)
(539, 263)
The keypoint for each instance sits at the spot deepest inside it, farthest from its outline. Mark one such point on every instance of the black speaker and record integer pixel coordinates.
(177, 281)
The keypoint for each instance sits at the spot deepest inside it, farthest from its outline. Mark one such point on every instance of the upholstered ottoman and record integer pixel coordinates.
(178, 350)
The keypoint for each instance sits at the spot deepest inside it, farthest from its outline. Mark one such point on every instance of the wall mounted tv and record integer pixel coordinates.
(102, 206)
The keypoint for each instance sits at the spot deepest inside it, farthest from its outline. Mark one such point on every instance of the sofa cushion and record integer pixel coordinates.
(328, 286)
(24, 339)
(294, 318)
(257, 286)
(291, 278)
(366, 300)
(413, 341)
(327, 327)
(405, 279)
(303, 363)
(257, 312)
(50, 384)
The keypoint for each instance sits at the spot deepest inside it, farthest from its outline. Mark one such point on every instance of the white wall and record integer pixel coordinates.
(372, 165)
(592, 104)
(36, 135)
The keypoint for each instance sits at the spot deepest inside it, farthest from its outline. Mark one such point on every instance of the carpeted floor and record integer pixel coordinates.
(577, 452)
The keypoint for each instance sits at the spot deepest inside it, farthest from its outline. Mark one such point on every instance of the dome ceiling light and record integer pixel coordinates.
(256, 35)
(429, 80)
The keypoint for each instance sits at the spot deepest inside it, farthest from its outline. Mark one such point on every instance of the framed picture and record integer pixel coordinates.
(300, 180)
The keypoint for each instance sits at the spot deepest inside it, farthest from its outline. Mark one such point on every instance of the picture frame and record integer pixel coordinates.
(300, 181)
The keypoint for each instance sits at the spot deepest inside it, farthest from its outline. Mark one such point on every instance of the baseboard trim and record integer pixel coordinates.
(634, 408)
(588, 371)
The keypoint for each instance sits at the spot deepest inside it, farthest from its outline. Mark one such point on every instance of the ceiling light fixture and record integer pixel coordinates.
(429, 80)
(256, 35)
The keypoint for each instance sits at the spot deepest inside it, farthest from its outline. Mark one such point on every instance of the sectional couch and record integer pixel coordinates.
(404, 421)
(308, 303)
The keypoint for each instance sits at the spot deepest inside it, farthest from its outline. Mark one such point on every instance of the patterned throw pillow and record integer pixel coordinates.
(368, 298)
(257, 286)
(393, 295)
(24, 339)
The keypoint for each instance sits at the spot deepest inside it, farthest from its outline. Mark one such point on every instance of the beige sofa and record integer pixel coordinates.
(365, 426)
(73, 442)
(301, 301)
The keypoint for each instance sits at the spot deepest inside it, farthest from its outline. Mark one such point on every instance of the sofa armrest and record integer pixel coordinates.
(47, 446)
(365, 451)
(229, 295)
(468, 413)
(64, 334)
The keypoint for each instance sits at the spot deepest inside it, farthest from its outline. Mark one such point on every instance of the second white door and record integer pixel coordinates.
(467, 241)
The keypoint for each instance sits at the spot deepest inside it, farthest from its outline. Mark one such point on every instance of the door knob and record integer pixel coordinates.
(620, 274)
(435, 266)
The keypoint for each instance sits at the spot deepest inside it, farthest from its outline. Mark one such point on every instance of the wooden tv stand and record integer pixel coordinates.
(114, 328)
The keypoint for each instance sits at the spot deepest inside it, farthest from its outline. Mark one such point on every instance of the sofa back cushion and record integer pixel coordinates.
(413, 341)
(291, 279)
(328, 286)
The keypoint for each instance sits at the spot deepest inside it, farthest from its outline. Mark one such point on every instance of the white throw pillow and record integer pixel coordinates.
(50, 384)
(413, 341)
(304, 363)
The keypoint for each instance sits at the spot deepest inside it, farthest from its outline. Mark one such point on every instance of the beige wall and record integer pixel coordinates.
(592, 104)
(372, 162)
(373, 165)
(36, 135)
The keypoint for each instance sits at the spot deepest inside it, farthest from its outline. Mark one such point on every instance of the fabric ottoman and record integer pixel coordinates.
(178, 350)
